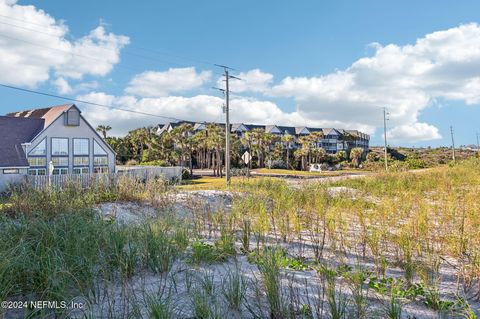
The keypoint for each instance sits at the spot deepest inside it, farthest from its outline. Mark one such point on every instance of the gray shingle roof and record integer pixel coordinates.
(49, 114)
(287, 129)
(13, 132)
(298, 130)
(268, 128)
(236, 126)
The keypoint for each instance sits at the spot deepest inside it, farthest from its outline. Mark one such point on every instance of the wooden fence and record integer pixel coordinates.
(106, 180)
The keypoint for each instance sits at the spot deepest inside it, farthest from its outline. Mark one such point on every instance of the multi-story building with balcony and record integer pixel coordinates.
(332, 140)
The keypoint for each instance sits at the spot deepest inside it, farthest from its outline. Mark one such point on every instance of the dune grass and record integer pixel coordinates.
(379, 244)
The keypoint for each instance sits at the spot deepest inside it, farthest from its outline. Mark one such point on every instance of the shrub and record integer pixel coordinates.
(341, 156)
(415, 163)
(186, 174)
(154, 163)
(206, 253)
(239, 171)
(131, 162)
(278, 164)
(372, 157)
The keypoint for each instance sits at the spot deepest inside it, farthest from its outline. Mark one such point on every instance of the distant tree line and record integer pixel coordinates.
(205, 149)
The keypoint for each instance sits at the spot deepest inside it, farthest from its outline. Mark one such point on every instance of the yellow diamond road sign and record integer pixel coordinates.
(246, 157)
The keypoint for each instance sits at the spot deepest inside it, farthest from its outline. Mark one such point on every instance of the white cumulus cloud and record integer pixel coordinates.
(94, 54)
(196, 108)
(405, 79)
(250, 81)
(174, 80)
(34, 46)
(414, 132)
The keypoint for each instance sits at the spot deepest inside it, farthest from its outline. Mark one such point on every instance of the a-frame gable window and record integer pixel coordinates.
(72, 117)
(97, 149)
(275, 130)
(100, 158)
(40, 149)
(305, 131)
(37, 159)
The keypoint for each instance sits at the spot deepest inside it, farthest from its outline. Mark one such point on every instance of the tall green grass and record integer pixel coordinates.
(54, 246)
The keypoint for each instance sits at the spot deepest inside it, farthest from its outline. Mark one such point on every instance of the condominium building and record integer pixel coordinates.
(332, 140)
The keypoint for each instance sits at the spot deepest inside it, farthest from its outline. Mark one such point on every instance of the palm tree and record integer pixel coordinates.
(355, 155)
(310, 148)
(200, 139)
(236, 148)
(319, 154)
(139, 139)
(302, 154)
(269, 141)
(261, 144)
(287, 140)
(103, 129)
(121, 148)
(347, 138)
(341, 156)
(183, 143)
(215, 142)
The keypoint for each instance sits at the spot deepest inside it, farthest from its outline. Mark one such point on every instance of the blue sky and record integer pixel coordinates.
(302, 63)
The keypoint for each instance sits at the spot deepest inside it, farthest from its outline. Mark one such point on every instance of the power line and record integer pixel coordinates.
(61, 50)
(126, 52)
(24, 21)
(81, 55)
(89, 103)
(157, 52)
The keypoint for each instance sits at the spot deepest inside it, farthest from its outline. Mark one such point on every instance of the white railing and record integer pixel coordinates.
(106, 180)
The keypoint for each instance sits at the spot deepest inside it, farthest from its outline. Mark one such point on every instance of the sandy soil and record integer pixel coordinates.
(307, 284)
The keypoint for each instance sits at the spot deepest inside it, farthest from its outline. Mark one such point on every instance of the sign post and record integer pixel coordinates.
(246, 157)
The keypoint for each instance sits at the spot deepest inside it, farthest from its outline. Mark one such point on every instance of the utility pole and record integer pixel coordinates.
(227, 127)
(385, 113)
(227, 120)
(453, 144)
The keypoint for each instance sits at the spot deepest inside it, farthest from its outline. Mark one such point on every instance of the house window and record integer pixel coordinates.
(97, 149)
(60, 146)
(59, 161)
(37, 171)
(10, 171)
(81, 150)
(60, 171)
(40, 149)
(81, 161)
(100, 160)
(37, 161)
(81, 146)
(101, 170)
(72, 118)
(81, 170)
